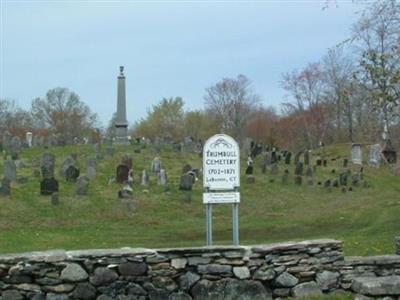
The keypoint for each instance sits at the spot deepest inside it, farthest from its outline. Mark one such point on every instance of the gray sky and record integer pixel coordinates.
(168, 48)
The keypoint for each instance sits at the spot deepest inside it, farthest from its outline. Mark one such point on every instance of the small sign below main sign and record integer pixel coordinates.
(221, 163)
(218, 198)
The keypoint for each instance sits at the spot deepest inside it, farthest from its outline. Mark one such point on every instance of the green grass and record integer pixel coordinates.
(365, 219)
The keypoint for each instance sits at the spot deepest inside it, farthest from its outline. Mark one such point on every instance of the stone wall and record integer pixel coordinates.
(254, 272)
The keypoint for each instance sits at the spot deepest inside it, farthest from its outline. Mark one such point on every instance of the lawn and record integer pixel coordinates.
(366, 219)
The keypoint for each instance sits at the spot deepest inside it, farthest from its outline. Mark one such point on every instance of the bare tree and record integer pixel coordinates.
(231, 102)
(62, 112)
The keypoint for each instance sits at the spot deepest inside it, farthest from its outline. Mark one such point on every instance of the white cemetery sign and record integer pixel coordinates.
(221, 163)
(221, 179)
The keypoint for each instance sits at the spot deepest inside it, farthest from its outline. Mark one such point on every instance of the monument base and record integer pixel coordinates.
(121, 137)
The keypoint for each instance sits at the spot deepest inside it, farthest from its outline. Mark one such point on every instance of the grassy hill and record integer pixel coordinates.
(366, 219)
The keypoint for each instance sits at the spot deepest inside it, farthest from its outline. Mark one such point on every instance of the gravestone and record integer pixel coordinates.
(309, 172)
(162, 178)
(356, 154)
(288, 158)
(145, 180)
(91, 168)
(127, 161)
(130, 178)
(319, 162)
(186, 182)
(5, 188)
(72, 173)
(48, 186)
(29, 137)
(297, 157)
(274, 157)
(299, 169)
(122, 173)
(307, 157)
(82, 185)
(325, 163)
(16, 146)
(156, 165)
(68, 162)
(355, 179)
(343, 178)
(10, 170)
(374, 157)
(47, 165)
(126, 192)
(389, 152)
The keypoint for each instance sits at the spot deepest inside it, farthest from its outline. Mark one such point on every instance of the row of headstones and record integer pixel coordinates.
(124, 175)
(375, 155)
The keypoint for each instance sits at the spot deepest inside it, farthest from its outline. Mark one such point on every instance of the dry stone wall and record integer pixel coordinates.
(299, 269)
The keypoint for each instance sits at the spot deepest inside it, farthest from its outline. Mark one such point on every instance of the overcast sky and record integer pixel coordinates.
(168, 48)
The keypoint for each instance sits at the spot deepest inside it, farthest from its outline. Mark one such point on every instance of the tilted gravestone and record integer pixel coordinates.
(10, 170)
(122, 173)
(48, 186)
(47, 165)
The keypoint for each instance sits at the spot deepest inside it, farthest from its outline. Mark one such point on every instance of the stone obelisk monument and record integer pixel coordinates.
(121, 124)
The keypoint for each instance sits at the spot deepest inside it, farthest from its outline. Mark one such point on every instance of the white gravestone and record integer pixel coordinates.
(375, 155)
(356, 154)
(29, 138)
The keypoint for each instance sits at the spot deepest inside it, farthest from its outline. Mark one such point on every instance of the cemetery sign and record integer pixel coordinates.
(221, 179)
(221, 163)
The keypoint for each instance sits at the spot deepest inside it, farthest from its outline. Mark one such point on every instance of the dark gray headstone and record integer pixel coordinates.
(67, 162)
(186, 182)
(299, 169)
(72, 173)
(5, 188)
(122, 173)
(288, 157)
(307, 158)
(48, 186)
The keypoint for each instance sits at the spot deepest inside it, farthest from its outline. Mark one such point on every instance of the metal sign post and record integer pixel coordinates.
(221, 170)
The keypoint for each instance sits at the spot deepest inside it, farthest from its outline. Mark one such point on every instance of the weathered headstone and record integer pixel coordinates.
(29, 137)
(156, 165)
(374, 157)
(145, 180)
(82, 185)
(356, 154)
(122, 173)
(16, 146)
(162, 178)
(10, 170)
(343, 178)
(48, 186)
(47, 165)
